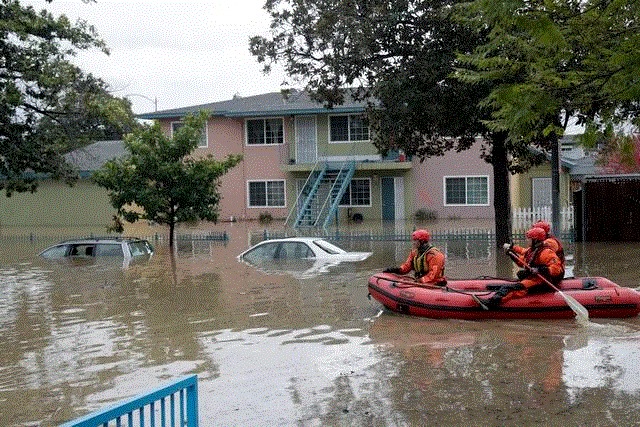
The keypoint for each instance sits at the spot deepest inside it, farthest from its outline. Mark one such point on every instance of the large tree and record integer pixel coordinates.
(48, 105)
(548, 61)
(401, 54)
(159, 181)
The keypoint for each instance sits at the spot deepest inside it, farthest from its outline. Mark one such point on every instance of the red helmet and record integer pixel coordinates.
(536, 233)
(421, 235)
(544, 225)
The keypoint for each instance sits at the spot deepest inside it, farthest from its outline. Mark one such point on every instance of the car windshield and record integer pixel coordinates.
(139, 247)
(55, 252)
(262, 252)
(328, 247)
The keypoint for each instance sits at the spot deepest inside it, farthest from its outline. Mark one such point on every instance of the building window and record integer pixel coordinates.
(348, 128)
(263, 194)
(466, 190)
(203, 143)
(358, 193)
(264, 131)
(541, 192)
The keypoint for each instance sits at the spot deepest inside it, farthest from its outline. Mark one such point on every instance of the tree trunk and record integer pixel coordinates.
(172, 226)
(501, 203)
(501, 192)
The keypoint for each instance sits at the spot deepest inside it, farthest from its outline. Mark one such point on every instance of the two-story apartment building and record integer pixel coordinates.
(313, 165)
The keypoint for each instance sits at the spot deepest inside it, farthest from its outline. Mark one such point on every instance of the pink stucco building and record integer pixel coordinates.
(311, 165)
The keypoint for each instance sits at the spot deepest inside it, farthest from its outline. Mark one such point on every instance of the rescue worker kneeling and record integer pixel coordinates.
(424, 259)
(539, 262)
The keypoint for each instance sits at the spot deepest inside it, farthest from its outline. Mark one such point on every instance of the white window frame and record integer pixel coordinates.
(349, 139)
(351, 205)
(466, 191)
(204, 138)
(284, 198)
(263, 119)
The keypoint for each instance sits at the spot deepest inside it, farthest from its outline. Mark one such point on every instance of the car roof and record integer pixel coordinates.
(294, 239)
(310, 241)
(101, 240)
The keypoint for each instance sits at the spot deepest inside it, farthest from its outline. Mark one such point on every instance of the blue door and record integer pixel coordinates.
(388, 198)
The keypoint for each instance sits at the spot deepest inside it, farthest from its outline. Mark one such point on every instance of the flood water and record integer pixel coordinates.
(302, 347)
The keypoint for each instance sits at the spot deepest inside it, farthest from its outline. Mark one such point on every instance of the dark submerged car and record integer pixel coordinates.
(125, 249)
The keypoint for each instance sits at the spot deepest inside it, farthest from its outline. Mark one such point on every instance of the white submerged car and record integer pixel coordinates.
(301, 256)
(300, 248)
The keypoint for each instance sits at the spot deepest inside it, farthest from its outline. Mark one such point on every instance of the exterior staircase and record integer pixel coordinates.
(320, 197)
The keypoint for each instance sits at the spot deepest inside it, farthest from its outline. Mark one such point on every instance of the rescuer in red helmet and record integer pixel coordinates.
(552, 241)
(424, 259)
(539, 262)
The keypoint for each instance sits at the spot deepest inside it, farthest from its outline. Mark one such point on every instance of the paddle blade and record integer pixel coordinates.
(582, 315)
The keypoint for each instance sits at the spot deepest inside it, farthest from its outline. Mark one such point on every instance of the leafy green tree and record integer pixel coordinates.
(400, 55)
(548, 61)
(48, 106)
(159, 181)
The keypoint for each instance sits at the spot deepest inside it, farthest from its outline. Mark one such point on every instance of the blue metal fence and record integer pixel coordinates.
(173, 405)
(403, 236)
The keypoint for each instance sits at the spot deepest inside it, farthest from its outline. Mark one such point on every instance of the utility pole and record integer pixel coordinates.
(154, 100)
(555, 186)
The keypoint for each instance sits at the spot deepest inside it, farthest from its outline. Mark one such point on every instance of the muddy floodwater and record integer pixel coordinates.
(298, 345)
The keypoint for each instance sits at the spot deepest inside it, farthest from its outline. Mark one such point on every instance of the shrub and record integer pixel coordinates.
(265, 218)
(425, 215)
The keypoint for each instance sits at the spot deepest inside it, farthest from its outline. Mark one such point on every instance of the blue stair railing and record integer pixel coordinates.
(340, 185)
(302, 194)
(323, 194)
(307, 213)
(173, 405)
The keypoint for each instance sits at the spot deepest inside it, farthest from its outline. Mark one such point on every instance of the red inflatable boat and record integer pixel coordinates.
(600, 296)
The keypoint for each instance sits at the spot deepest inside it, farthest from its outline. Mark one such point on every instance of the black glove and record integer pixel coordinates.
(543, 269)
(394, 270)
(522, 274)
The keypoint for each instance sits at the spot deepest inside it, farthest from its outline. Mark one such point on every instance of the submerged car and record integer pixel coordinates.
(118, 248)
(300, 248)
(300, 256)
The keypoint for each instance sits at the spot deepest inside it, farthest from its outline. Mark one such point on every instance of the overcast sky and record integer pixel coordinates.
(181, 53)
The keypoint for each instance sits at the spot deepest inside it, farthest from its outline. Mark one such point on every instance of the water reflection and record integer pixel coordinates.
(509, 373)
(603, 362)
(276, 349)
(307, 374)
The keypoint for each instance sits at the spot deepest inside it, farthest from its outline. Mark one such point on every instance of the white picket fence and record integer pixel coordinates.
(522, 218)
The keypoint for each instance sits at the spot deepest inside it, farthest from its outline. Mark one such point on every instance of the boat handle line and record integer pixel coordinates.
(413, 284)
(409, 284)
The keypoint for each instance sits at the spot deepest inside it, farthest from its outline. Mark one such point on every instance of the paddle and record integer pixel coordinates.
(582, 315)
(412, 283)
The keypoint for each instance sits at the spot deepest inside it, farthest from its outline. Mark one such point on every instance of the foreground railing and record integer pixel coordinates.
(174, 405)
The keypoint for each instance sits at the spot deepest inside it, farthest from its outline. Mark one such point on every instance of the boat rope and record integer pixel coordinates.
(406, 284)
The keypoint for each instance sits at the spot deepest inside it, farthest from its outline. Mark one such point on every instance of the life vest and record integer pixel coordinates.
(420, 263)
(531, 257)
(560, 251)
